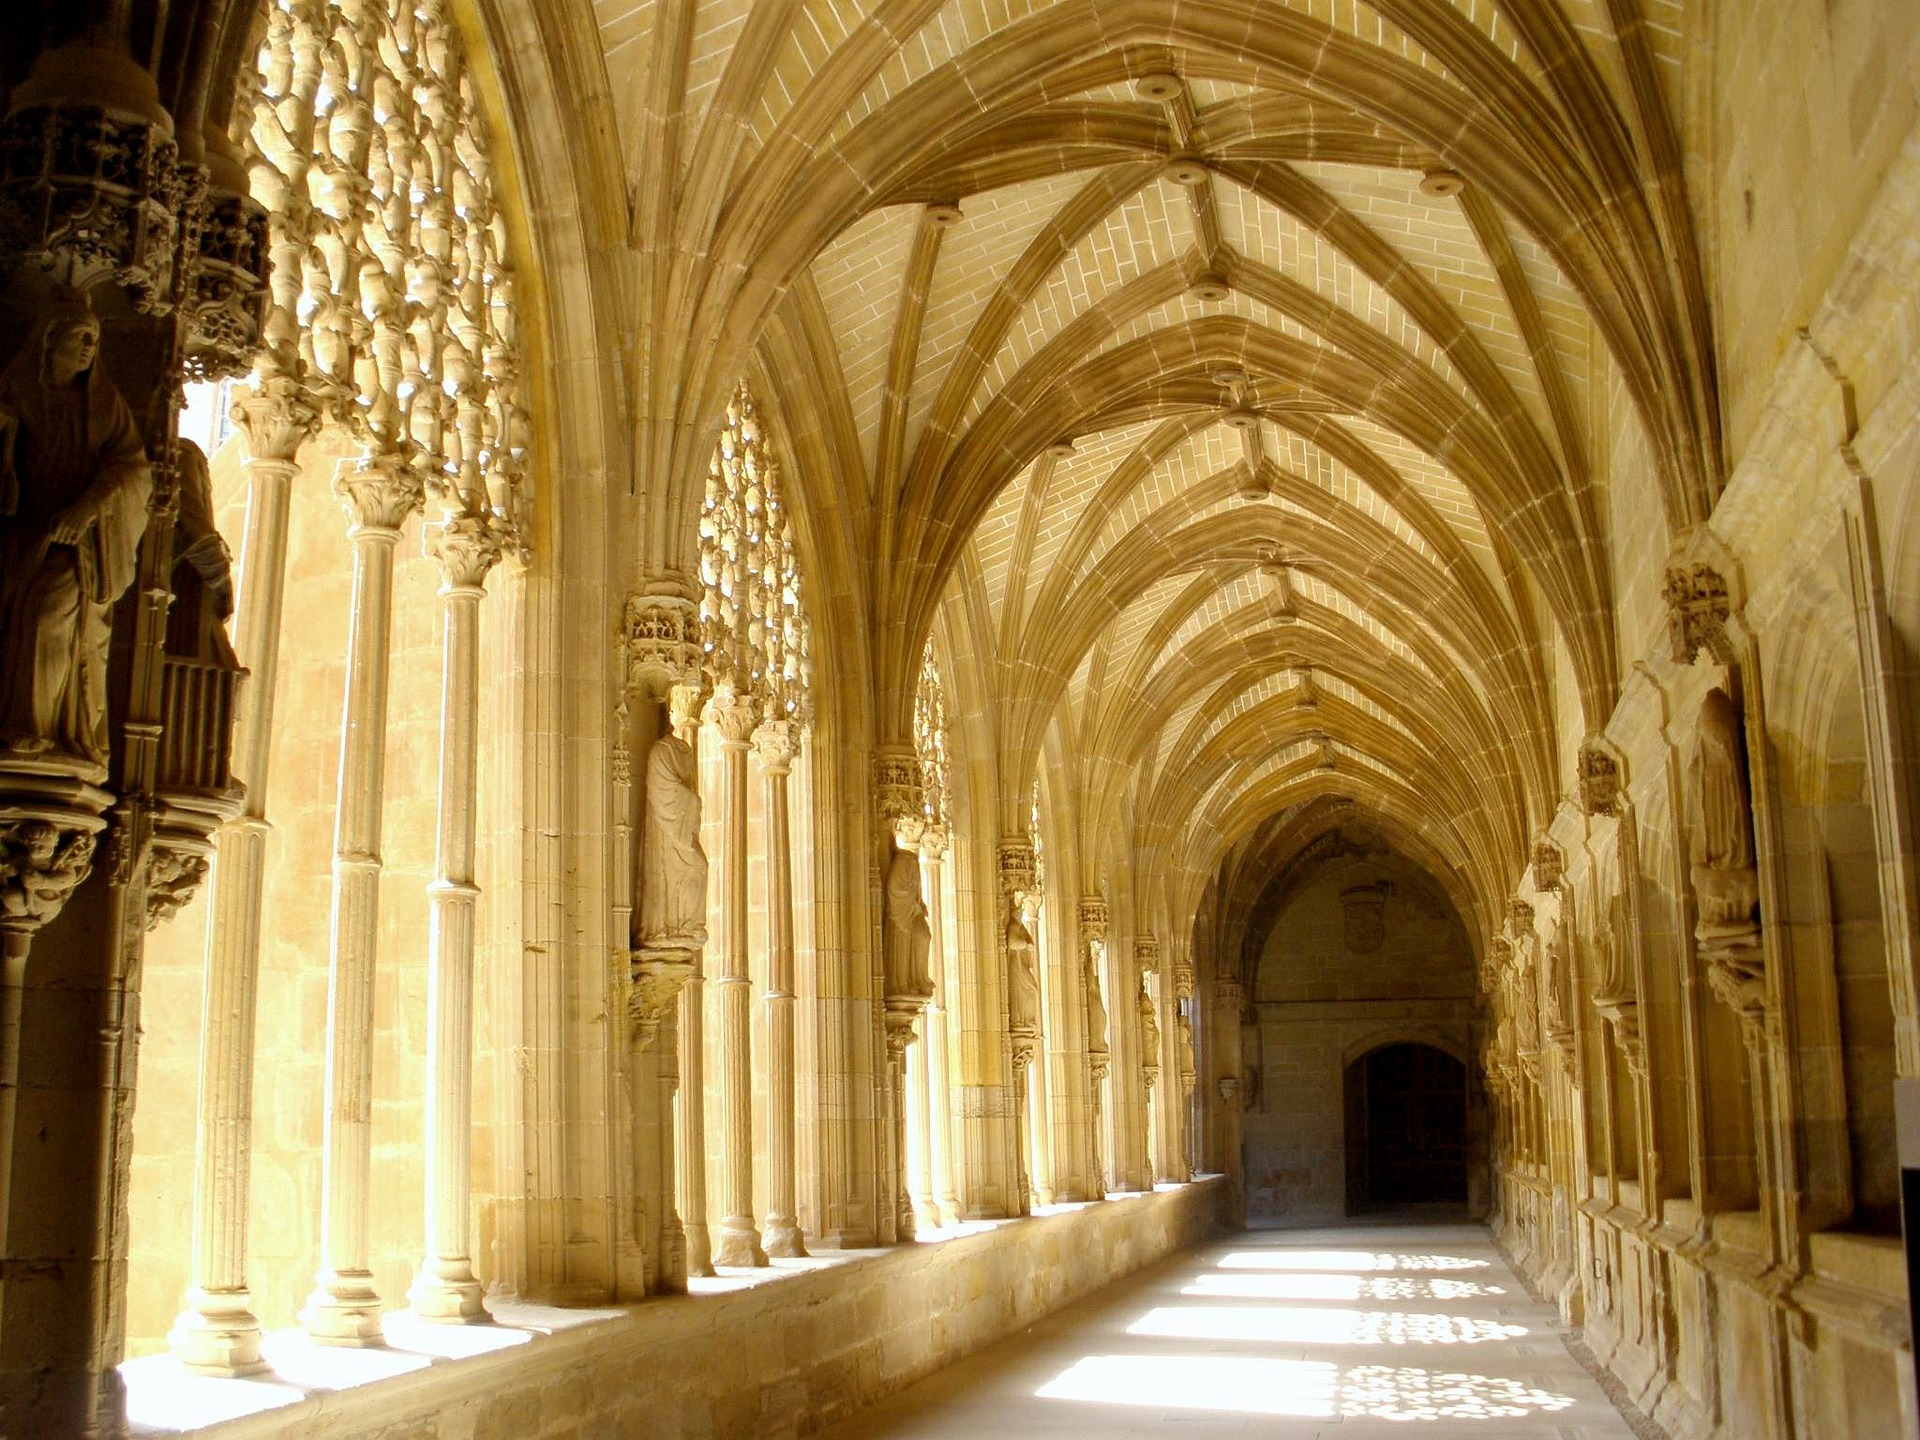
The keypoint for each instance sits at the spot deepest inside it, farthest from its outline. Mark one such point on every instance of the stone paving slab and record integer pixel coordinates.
(1347, 1333)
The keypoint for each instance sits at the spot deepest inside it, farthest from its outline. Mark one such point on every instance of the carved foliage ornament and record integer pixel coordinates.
(662, 642)
(930, 738)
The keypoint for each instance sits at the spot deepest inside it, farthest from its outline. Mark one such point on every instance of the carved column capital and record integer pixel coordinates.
(776, 743)
(466, 546)
(1093, 919)
(934, 841)
(1228, 994)
(1183, 977)
(275, 416)
(733, 714)
(378, 493)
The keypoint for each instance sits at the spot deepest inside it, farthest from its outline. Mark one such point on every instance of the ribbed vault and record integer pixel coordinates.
(1229, 374)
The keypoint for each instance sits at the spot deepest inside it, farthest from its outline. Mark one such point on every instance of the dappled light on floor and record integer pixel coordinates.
(1345, 1333)
(1297, 1324)
(1246, 1386)
(1343, 1260)
(1283, 1286)
(1301, 1388)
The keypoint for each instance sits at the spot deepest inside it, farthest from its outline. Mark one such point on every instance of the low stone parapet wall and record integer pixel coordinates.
(783, 1356)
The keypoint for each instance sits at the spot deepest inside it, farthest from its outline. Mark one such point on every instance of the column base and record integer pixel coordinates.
(344, 1310)
(446, 1293)
(926, 1215)
(218, 1334)
(783, 1240)
(698, 1251)
(739, 1246)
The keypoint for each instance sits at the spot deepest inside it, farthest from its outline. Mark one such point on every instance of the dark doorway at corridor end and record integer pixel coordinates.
(1406, 1129)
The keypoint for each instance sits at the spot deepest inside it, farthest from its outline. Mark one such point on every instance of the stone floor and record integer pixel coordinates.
(1362, 1331)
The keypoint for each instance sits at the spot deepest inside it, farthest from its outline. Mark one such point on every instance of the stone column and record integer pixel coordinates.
(945, 1204)
(446, 1288)
(776, 743)
(217, 1333)
(379, 492)
(735, 717)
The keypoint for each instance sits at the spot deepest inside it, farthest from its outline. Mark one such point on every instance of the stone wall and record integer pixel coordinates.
(783, 1357)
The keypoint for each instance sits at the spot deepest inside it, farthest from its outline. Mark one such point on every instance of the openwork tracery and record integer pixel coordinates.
(753, 625)
(393, 305)
(930, 739)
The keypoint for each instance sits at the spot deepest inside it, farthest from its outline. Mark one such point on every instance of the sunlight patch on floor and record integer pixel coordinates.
(1247, 1285)
(1305, 1389)
(1297, 1325)
(1343, 1260)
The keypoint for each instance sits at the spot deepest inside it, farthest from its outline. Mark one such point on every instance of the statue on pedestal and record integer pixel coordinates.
(1023, 971)
(673, 867)
(74, 485)
(908, 935)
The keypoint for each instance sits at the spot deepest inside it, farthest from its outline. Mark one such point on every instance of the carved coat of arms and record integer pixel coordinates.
(1364, 908)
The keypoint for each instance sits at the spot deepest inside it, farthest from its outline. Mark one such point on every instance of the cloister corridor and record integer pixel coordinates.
(1361, 1331)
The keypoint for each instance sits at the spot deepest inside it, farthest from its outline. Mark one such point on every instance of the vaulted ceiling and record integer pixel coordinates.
(1242, 377)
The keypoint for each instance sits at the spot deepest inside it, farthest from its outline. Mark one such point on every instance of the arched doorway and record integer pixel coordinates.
(1406, 1128)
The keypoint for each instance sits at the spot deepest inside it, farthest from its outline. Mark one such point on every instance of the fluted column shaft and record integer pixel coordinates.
(776, 744)
(217, 1332)
(446, 1288)
(379, 493)
(739, 1240)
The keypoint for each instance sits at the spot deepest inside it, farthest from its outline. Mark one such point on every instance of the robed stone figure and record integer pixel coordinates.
(908, 936)
(1726, 884)
(673, 867)
(1023, 994)
(74, 486)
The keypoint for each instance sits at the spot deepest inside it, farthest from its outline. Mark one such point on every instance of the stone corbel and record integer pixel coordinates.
(91, 184)
(899, 793)
(50, 823)
(1599, 776)
(1703, 593)
(658, 977)
(1549, 866)
(660, 640)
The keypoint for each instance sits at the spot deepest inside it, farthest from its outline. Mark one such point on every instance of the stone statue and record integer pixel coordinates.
(1149, 1027)
(1183, 1043)
(1096, 1006)
(908, 935)
(673, 867)
(1725, 883)
(202, 579)
(74, 485)
(1023, 995)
